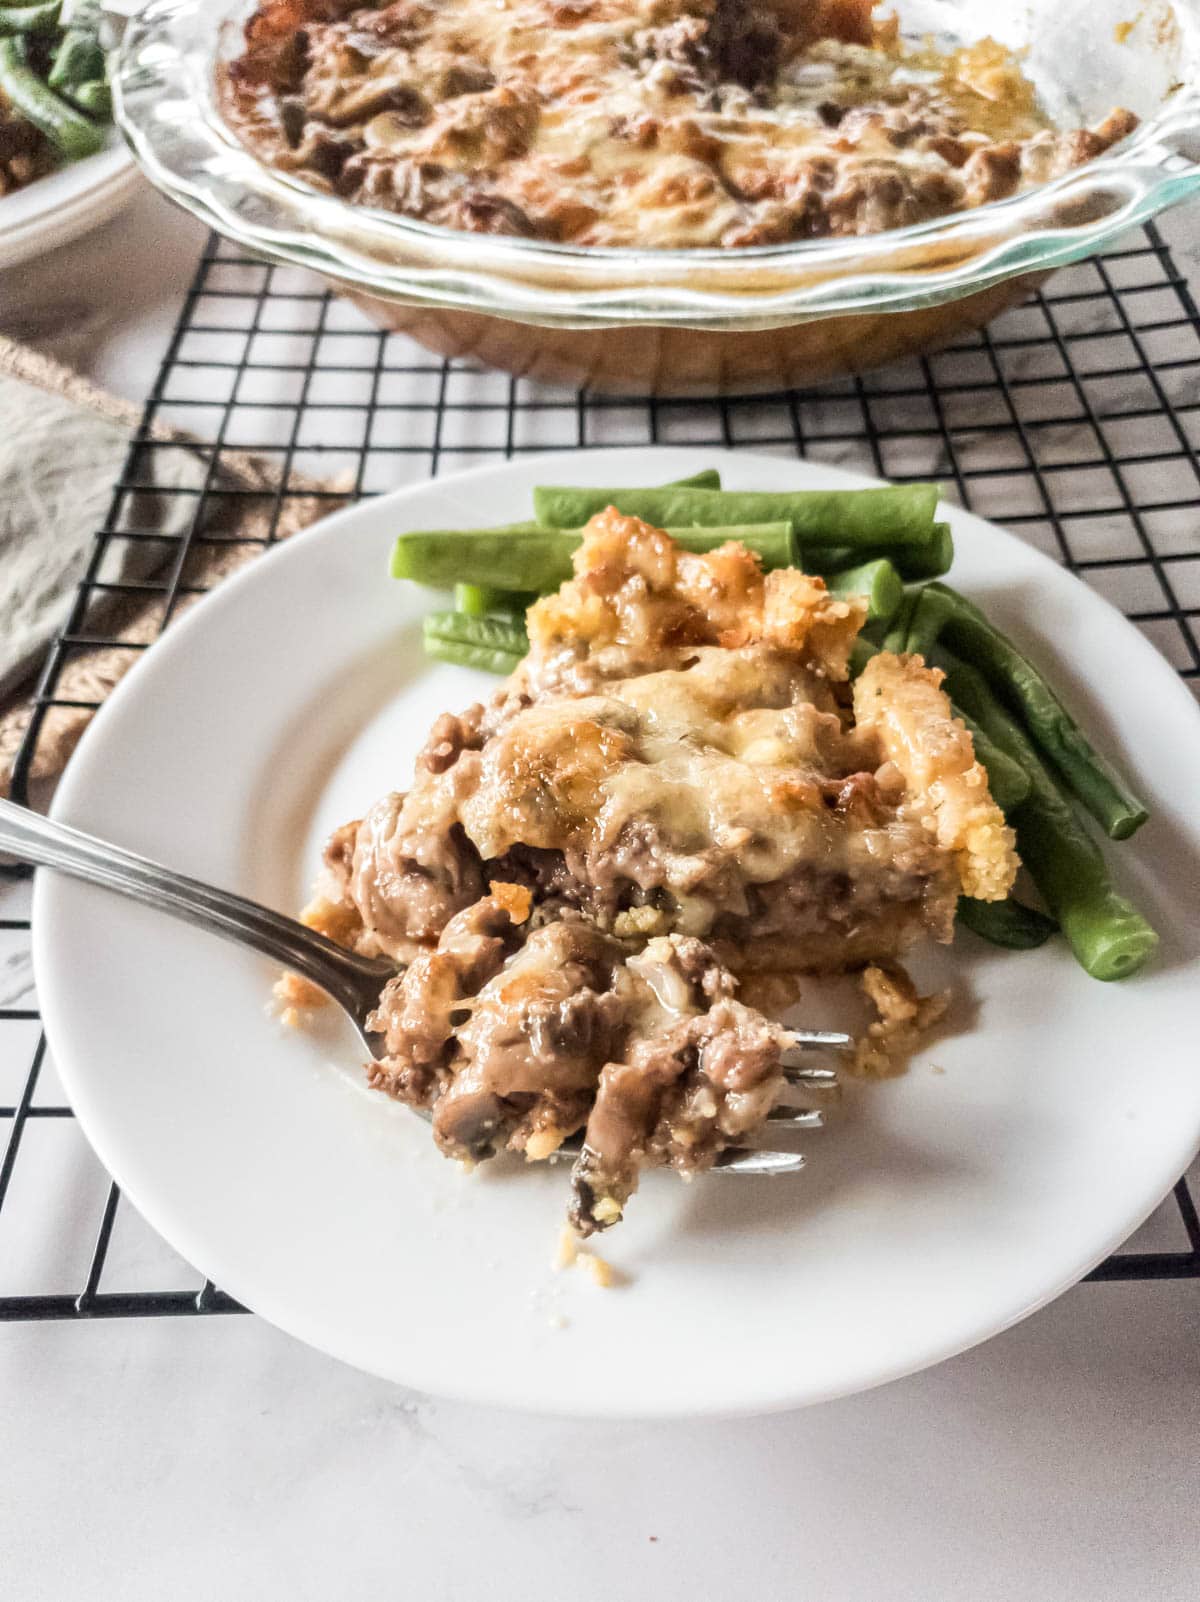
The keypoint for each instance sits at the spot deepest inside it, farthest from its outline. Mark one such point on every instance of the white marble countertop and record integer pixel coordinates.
(200, 1458)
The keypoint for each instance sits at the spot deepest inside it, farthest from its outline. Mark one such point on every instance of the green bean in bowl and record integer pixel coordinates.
(55, 103)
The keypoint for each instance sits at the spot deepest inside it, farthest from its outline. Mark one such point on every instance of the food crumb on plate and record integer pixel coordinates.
(568, 1248)
(602, 1271)
(570, 1253)
(902, 1017)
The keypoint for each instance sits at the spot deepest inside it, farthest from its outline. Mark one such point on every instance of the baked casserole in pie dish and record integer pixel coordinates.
(681, 196)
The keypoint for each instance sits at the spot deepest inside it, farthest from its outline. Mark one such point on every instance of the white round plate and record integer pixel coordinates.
(1016, 1153)
(66, 203)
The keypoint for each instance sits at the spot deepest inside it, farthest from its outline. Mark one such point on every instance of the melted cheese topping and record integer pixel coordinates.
(681, 753)
(694, 751)
(730, 765)
(659, 123)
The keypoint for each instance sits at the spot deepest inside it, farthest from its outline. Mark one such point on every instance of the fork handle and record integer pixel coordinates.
(38, 840)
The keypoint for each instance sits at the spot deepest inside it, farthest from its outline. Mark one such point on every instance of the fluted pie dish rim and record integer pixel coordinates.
(166, 106)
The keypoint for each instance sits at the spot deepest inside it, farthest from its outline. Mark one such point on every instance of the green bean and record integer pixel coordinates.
(878, 581)
(913, 562)
(926, 620)
(887, 521)
(481, 600)
(772, 543)
(861, 653)
(896, 637)
(932, 559)
(95, 99)
(1013, 676)
(524, 556)
(1109, 937)
(80, 71)
(460, 653)
(78, 60)
(1008, 923)
(72, 134)
(26, 21)
(706, 478)
(496, 645)
(509, 558)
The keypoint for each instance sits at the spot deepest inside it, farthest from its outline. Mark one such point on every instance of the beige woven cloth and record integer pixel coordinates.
(90, 675)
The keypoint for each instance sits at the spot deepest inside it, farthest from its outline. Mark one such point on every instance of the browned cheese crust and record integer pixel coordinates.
(653, 123)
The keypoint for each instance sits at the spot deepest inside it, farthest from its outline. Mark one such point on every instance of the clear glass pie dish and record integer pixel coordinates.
(698, 321)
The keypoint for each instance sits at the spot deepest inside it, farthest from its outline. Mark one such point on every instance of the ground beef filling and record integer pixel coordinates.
(654, 123)
(520, 1040)
(677, 789)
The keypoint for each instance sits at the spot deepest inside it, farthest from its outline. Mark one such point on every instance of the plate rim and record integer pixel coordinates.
(47, 887)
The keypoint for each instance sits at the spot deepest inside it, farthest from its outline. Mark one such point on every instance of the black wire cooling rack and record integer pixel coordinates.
(1074, 420)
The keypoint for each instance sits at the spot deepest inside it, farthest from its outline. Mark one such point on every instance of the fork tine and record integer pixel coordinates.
(735, 1159)
(746, 1160)
(796, 1117)
(819, 1040)
(811, 1078)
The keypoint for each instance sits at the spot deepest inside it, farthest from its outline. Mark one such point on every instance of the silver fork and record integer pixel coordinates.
(353, 982)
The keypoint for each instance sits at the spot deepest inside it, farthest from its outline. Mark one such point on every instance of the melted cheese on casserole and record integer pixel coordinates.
(681, 751)
(658, 123)
(732, 757)
(700, 751)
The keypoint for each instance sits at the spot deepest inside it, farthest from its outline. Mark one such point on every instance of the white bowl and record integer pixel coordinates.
(56, 209)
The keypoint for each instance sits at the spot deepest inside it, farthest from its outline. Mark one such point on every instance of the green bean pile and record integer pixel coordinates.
(53, 79)
(887, 545)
